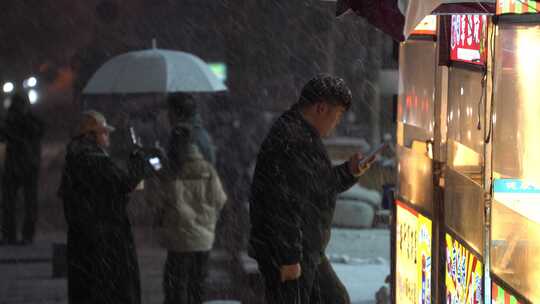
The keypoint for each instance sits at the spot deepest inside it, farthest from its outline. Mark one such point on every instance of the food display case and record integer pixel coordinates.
(412, 233)
(515, 208)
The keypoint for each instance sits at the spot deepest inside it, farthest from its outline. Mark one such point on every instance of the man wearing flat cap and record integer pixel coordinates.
(101, 255)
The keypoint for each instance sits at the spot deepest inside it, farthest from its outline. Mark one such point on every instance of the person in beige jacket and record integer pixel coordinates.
(187, 214)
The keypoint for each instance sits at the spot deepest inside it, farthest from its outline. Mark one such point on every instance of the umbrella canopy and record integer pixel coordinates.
(398, 18)
(154, 71)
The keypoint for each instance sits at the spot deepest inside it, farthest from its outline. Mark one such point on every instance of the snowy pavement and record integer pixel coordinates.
(361, 260)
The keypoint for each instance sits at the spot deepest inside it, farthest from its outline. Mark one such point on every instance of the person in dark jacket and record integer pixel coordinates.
(101, 254)
(293, 197)
(23, 132)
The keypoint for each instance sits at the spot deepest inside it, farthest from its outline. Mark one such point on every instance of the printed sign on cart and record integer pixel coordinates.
(464, 274)
(500, 296)
(468, 40)
(517, 6)
(520, 196)
(413, 256)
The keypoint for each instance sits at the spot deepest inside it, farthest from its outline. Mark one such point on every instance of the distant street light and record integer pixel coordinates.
(8, 87)
(31, 82)
(33, 96)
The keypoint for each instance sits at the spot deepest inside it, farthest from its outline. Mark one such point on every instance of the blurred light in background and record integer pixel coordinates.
(33, 96)
(8, 87)
(30, 82)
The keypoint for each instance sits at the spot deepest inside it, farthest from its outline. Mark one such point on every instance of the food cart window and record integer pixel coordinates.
(465, 121)
(464, 209)
(516, 159)
(417, 89)
(416, 121)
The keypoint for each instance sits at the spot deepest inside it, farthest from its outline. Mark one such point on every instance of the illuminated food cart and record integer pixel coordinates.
(439, 218)
(463, 223)
(468, 210)
(515, 205)
(440, 223)
(412, 238)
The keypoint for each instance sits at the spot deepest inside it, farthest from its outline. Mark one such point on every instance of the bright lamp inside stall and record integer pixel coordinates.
(528, 67)
(33, 96)
(8, 87)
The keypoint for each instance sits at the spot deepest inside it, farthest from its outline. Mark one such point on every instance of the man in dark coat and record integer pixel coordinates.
(23, 132)
(101, 254)
(294, 194)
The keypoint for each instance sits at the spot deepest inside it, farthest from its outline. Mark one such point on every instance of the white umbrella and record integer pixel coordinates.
(154, 71)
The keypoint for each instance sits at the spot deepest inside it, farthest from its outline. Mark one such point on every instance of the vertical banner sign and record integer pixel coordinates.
(501, 296)
(413, 256)
(517, 7)
(463, 274)
(468, 39)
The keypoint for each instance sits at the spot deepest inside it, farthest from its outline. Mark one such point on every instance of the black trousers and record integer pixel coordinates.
(318, 284)
(29, 185)
(183, 279)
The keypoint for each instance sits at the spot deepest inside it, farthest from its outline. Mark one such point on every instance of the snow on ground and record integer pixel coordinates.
(362, 281)
(360, 243)
(360, 258)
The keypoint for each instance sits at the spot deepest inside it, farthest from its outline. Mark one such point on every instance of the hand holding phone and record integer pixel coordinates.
(359, 165)
(155, 162)
(371, 157)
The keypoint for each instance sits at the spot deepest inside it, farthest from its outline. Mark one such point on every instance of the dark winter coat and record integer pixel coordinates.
(186, 131)
(293, 195)
(101, 255)
(23, 134)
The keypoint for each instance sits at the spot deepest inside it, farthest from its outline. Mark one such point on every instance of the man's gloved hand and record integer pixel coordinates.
(290, 272)
(137, 164)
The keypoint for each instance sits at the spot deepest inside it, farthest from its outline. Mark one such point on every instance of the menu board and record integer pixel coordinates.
(413, 256)
(464, 273)
(517, 6)
(468, 39)
(500, 295)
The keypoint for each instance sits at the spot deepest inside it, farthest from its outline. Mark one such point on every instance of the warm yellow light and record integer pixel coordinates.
(428, 25)
(464, 156)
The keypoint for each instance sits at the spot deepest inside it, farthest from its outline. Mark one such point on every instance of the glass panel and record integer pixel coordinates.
(417, 89)
(515, 227)
(465, 121)
(415, 178)
(514, 250)
(517, 110)
(464, 212)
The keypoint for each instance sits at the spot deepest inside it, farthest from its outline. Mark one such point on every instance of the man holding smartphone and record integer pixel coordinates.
(293, 197)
